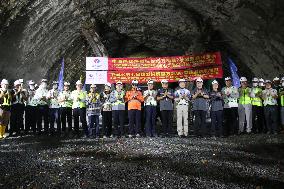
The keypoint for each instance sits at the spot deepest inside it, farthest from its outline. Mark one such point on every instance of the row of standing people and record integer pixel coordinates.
(237, 108)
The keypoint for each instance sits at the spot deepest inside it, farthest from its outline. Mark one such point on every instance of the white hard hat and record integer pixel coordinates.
(255, 80)
(79, 82)
(181, 80)
(93, 86)
(150, 81)
(17, 82)
(228, 78)
(135, 82)
(66, 83)
(268, 81)
(21, 80)
(243, 79)
(199, 79)
(276, 79)
(119, 83)
(261, 80)
(164, 81)
(108, 84)
(44, 80)
(55, 82)
(282, 79)
(31, 82)
(4, 82)
(215, 82)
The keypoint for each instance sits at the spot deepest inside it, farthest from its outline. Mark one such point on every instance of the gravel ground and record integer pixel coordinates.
(254, 161)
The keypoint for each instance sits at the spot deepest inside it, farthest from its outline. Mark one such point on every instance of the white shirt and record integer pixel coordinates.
(151, 100)
(53, 96)
(39, 94)
(230, 100)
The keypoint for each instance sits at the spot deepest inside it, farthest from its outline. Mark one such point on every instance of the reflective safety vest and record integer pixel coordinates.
(281, 90)
(79, 99)
(256, 101)
(7, 100)
(282, 100)
(245, 96)
(120, 98)
(68, 101)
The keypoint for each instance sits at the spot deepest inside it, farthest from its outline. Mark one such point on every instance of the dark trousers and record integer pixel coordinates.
(230, 121)
(217, 123)
(42, 113)
(134, 117)
(93, 120)
(17, 113)
(54, 116)
(199, 122)
(257, 119)
(80, 113)
(107, 122)
(118, 121)
(167, 121)
(271, 118)
(150, 126)
(31, 118)
(66, 112)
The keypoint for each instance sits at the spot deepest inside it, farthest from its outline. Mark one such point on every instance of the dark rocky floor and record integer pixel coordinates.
(254, 161)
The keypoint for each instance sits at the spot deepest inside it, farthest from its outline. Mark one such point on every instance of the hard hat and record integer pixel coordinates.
(282, 79)
(55, 82)
(268, 81)
(66, 83)
(108, 84)
(31, 82)
(261, 80)
(17, 82)
(255, 80)
(164, 81)
(134, 82)
(21, 80)
(276, 79)
(199, 79)
(119, 83)
(93, 86)
(243, 79)
(79, 82)
(228, 78)
(4, 82)
(44, 80)
(215, 82)
(181, 80)
(150, 81)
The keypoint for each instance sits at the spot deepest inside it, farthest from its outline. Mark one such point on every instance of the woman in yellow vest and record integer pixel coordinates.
(5, 107)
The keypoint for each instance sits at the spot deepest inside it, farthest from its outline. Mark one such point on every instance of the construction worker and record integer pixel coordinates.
(106, 111)
(65, 103)
(54, 115)
(79, 98)
(43, 109)
(245, 107)
(165, 97)
(31, 109)
(281, 96)
(93, 111)
(230, 95)
(17, 109)
(270, 96)
(216, 101)
(200, 97)
(182, 97)
(23, 106)
(257, 107)
(5, 107)
(118, 108)
(150, 102)
(134, 99)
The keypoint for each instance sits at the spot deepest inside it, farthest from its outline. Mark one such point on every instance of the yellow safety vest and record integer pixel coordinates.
(7, 100)
(256, 101)
(281, 97)
(245, 96)
(82, 102)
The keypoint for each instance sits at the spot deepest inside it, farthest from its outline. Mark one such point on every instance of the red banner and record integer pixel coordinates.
(165, 63)
(171, 75)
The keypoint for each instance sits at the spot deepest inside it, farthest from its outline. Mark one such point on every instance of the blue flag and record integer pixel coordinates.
(61, 76)
(234, 70)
